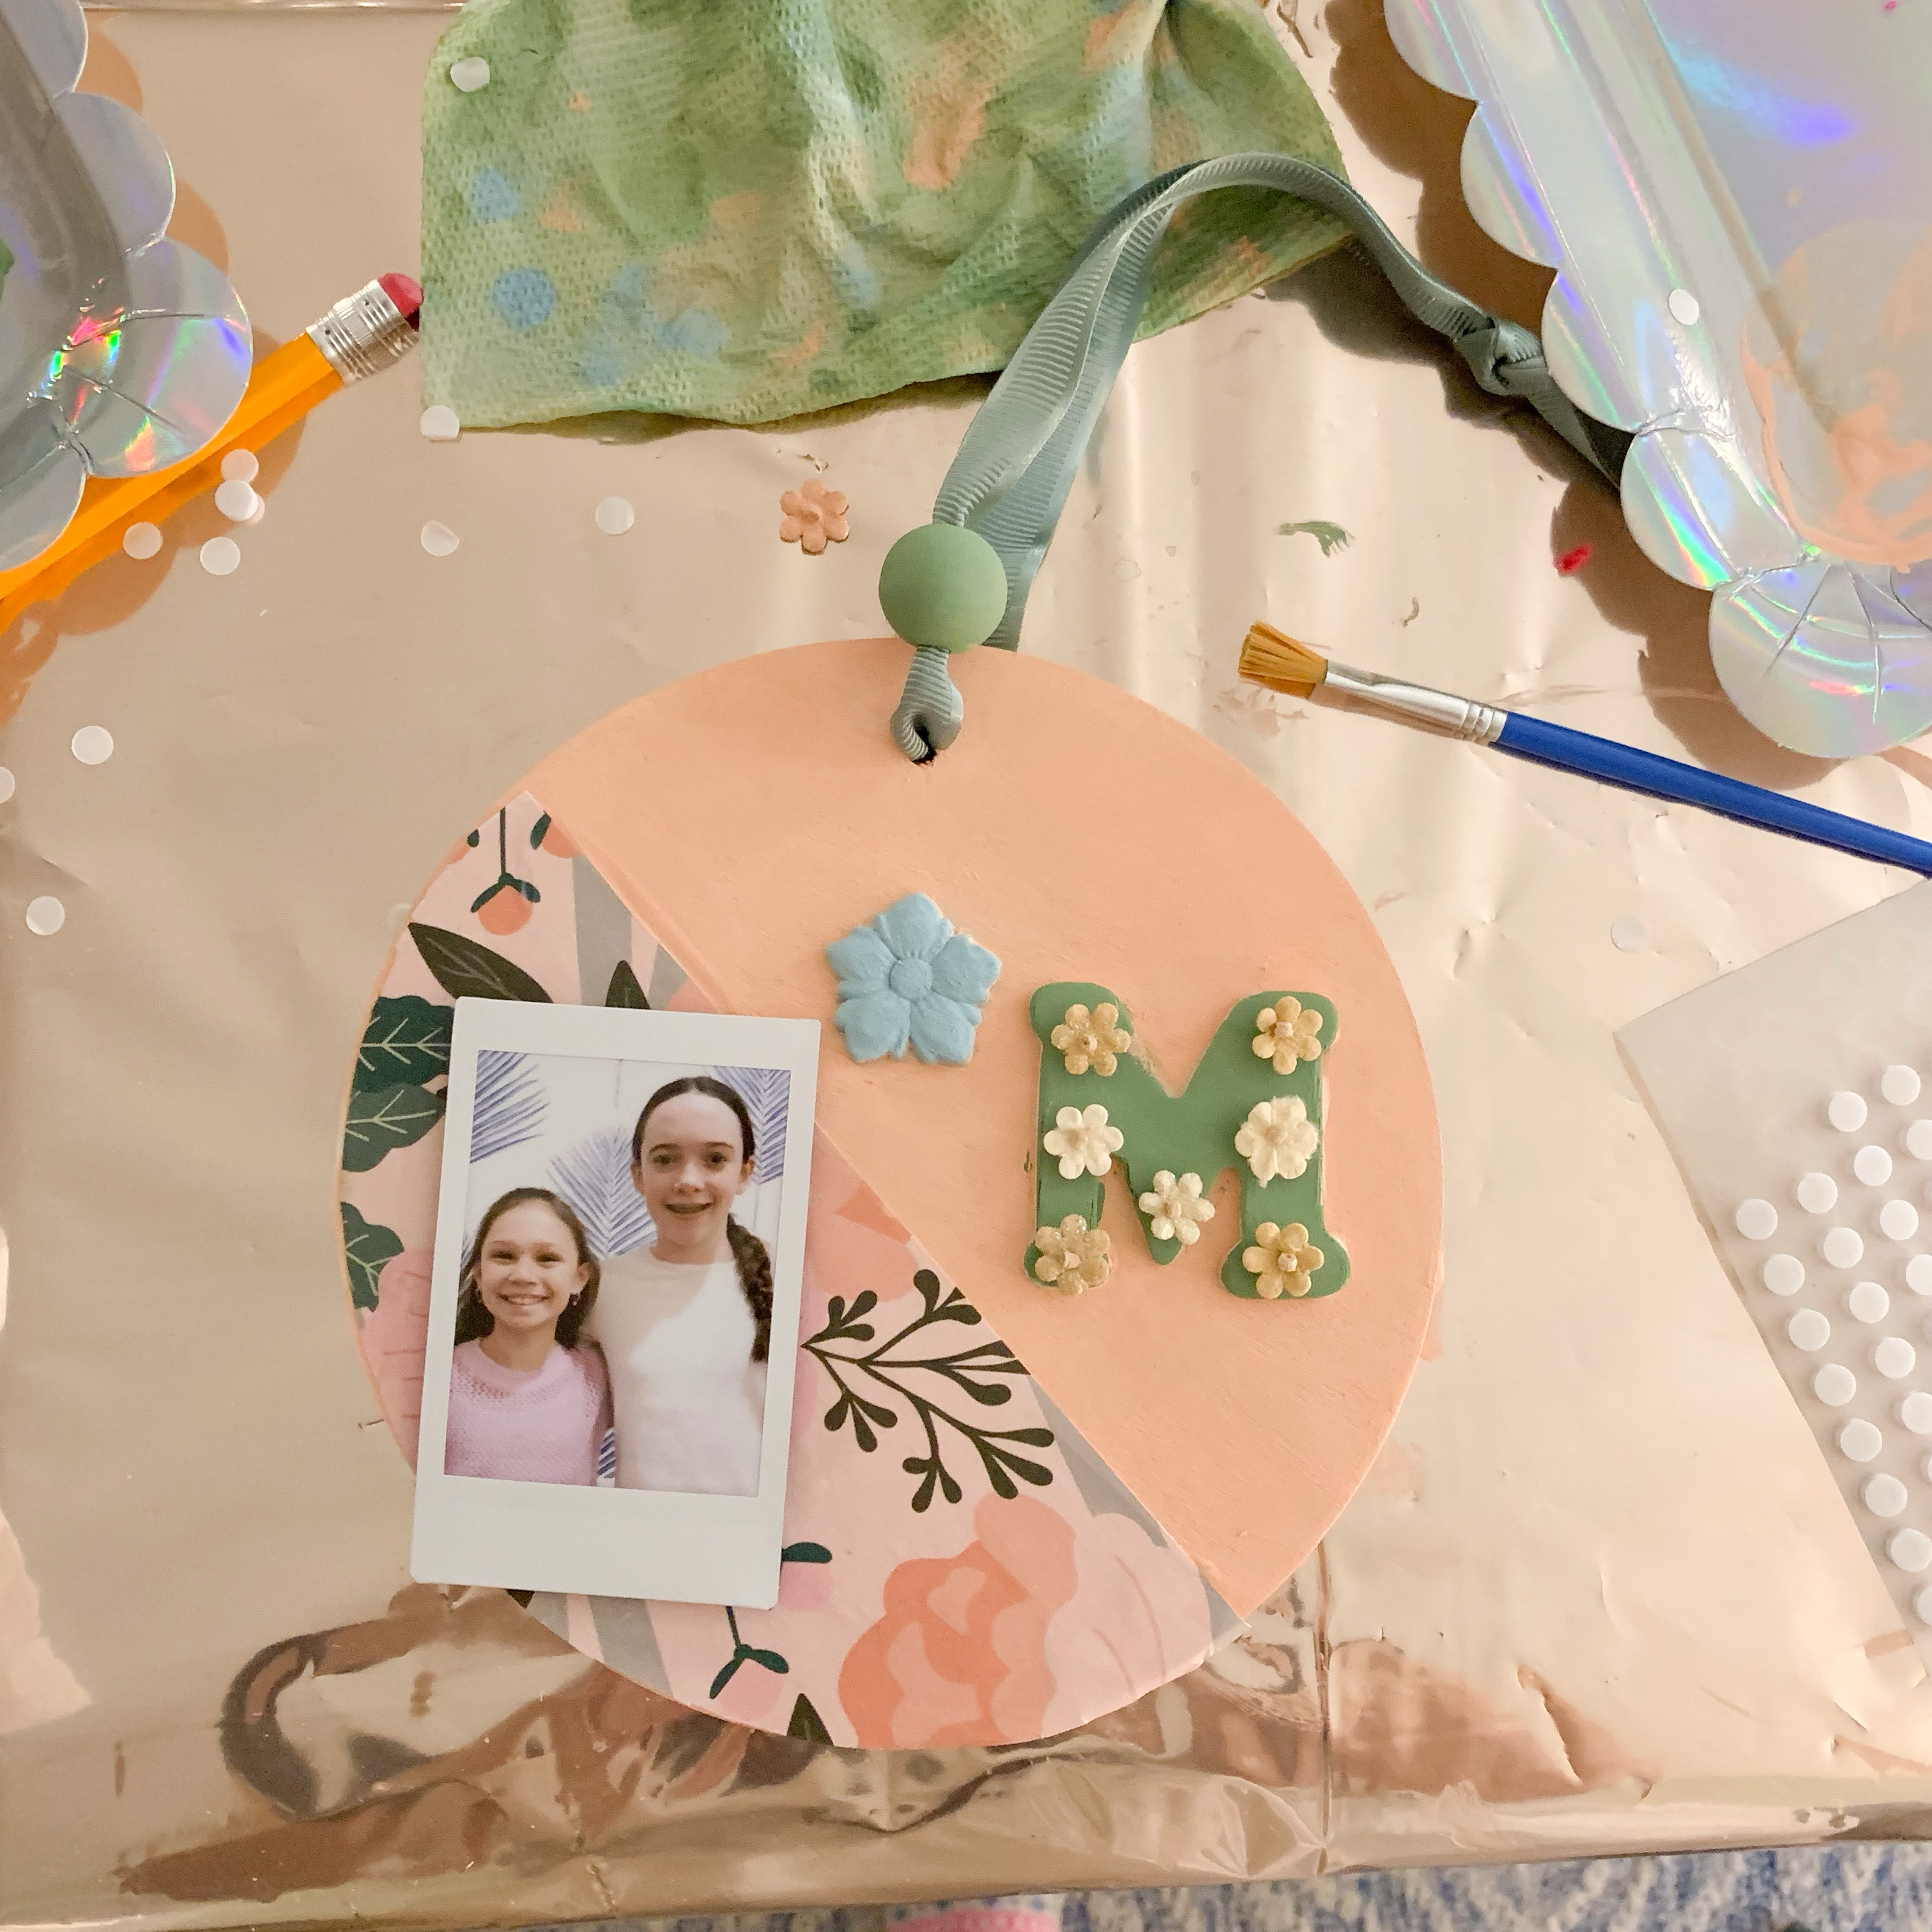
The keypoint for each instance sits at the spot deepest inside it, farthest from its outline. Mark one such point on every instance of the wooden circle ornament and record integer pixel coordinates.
(977, 1553)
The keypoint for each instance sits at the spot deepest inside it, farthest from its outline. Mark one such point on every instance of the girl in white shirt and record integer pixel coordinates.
(685, 1324)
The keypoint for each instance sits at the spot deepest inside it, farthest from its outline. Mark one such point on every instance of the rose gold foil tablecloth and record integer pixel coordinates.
(1564, 1616)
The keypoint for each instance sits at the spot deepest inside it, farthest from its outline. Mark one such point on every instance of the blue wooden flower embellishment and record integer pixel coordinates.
(908, 977)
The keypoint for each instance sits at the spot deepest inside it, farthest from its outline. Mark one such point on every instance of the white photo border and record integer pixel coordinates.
(604, 1542)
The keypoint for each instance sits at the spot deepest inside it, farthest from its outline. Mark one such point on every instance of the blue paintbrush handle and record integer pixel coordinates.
(1568, 751)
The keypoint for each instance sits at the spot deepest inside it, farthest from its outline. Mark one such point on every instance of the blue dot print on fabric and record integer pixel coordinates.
(601, 366)
(523, 297)
(491, 196)
(627, 287)
(856, 278)
(697, 331)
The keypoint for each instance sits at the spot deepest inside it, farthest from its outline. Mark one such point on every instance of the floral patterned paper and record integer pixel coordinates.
(960, 1567)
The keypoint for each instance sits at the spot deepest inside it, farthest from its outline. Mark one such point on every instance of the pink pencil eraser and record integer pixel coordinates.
(406, 292)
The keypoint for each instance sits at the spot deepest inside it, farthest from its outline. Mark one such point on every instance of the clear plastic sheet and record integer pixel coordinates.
(1738, 1074)
(1562, 1616)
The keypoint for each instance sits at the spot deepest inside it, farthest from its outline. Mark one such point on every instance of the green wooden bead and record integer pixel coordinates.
(944, 587)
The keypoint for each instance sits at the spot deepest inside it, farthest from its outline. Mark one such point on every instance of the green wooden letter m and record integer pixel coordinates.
(1192, 1132)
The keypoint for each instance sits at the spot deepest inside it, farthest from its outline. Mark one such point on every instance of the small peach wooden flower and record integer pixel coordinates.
(814, 516)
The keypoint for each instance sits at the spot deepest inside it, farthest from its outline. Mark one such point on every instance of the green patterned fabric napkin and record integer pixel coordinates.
(750, 209)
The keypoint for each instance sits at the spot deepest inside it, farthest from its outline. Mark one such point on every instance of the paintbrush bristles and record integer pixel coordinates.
(1272, 658)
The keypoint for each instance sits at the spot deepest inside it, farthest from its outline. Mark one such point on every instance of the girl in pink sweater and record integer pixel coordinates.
(528, 1403)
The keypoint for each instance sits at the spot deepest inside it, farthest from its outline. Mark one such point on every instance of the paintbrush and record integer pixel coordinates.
(1269, 657)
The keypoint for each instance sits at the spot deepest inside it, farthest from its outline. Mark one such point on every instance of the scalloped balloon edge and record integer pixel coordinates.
(156, 174)
(1489, 191)
(1482, 159)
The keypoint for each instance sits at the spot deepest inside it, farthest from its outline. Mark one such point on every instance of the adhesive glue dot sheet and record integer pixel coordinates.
(1797, 1097)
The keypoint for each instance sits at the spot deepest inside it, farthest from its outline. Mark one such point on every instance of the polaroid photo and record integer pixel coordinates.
(614, 1314)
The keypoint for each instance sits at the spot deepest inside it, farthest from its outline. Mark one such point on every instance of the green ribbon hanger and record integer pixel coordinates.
(963, 579)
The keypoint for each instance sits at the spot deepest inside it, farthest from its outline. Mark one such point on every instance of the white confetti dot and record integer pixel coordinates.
(615, 516)
(1834, 1385)
(141, 540)
(1922, 1604)
(1846, 1112)
(1918, 1274)
(6, 784)
(1783, 1274)
(93, 744)
(440, 423)
(220, 556)
(1817, 1193)
(1868, 1302)
(1919, 1140)
(1860, 1439)
(1873, 1165)
(1900, 1085)
(467, 75)
(1884, 1495)
(45, 916)
(1916, 1412)
(236, 499)
(1757, 1220)
(1898, 1220)
(241, 465)
(1628, 934)
(1894, 1357)
(1910, 1549)
(1684, 307)
(439, 539)
(1843, 1247)
(1808, 1330)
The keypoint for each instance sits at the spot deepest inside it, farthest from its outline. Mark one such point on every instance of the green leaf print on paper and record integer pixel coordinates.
(807, 1723)
(742, 1654)
(366, 1246)
(407, 1040)
(624, 990)
(467, 970)
(380, 1122)
(881, 1375)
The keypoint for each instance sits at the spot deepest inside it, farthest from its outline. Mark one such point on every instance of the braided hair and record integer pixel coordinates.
(754, 1260)
(473, 1321)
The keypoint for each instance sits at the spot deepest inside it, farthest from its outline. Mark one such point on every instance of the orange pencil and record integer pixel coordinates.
(367, 331)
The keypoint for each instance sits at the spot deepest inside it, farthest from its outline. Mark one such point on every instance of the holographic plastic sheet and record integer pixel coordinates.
(121, 351)
(1738, 201)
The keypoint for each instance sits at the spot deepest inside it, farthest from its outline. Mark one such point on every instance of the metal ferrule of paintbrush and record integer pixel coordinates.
(1440, 711)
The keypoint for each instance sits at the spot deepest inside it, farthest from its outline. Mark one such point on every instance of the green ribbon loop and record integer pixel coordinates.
(1019, 455)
